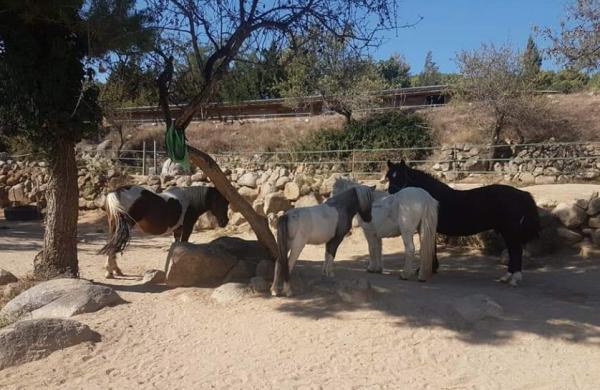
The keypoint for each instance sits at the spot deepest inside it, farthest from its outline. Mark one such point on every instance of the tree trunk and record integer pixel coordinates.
(258, 223)
(59, 254)
(493, 153)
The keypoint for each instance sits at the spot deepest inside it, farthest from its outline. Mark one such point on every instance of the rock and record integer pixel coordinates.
(587, 249)
(281, 182)
(276, 202)
(17, 194)
(207, 221)
(170, 168)
(266, 189)
(6, 277)
(231, 293)
(61, 298)
(307, 201)
(328, 184)
(153, 276)
(248, 180)
(250, 194)
(547, 203)
(568, 237)
(259, 206)
(30, 340)
(476, 307)
(545, 179)
(265, 269)
(291, 191)
(199, 177)
(570, 214)
(593, 222)
(582, 203)
(183, 181)
(594, 206)
(259, 284)
(354, 291)
(526, 177)
(208, 265)
(596, 238)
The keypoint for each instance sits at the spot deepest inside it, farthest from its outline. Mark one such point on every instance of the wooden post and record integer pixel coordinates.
(155, 157)
(144, 158)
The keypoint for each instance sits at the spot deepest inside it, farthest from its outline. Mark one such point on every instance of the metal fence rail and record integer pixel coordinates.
(371, 162)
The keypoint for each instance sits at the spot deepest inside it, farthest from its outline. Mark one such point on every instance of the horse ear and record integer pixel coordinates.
(390, 164)
(403, 163)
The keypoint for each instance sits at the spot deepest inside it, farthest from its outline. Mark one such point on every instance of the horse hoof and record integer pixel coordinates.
(504, 278)
(118, 272)
(422, 280)
(374, 271)
(109, 275)
(274, 293)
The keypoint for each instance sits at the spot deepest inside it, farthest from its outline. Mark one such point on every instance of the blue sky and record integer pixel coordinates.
(450, 26)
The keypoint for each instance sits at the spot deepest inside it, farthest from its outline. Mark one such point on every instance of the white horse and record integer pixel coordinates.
(405, 213)
(327, 223)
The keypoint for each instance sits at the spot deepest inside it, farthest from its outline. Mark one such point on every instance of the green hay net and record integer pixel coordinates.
(176, 147)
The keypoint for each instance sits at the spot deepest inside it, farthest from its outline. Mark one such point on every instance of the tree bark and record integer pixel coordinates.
(59, 254)
(258, 223)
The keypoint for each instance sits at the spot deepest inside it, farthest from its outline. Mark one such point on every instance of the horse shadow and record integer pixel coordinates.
(560, 297)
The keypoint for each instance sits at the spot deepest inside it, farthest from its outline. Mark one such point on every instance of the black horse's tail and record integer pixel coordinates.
(118, 226)
(282, 237)
(530, 222)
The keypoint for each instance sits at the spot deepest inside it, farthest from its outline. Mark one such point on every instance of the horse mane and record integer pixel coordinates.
(365, 196)
(426, 180)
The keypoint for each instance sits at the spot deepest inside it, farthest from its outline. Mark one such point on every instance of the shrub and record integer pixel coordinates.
(391, 130)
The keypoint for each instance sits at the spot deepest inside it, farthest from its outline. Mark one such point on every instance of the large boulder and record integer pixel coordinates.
(61, 298)
(570, 214)
(276, 202)
(211, 264)
(248, 179)
(17, 194)
(250, 194)
(30, 340)
(6, 277)
(594, 206)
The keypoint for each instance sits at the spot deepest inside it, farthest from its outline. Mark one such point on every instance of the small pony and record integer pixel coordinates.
(326, 223)
(511, 212)
(175, 210)
(404, 213)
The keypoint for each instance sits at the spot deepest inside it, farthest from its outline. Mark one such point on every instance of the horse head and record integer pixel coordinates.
(397, 176)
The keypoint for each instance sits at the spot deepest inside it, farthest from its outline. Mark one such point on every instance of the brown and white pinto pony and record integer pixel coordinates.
(175, 210)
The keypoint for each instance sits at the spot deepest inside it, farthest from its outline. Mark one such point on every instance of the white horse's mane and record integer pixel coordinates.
(342, 184)
(196, 195)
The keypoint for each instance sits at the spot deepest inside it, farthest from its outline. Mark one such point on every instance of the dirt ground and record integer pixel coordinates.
(407, 337)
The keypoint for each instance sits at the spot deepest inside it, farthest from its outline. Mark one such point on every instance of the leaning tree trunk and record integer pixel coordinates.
(258, 223)
(59, 254)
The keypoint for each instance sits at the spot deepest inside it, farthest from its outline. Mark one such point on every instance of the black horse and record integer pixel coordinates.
(511, 212)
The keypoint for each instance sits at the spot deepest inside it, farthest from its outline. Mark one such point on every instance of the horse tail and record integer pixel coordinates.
(118, 226)
(530, 222)
(282, 237)
(427, 232)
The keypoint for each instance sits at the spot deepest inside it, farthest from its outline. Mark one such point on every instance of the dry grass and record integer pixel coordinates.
(248, 135)
(574, 117)
(564, 117)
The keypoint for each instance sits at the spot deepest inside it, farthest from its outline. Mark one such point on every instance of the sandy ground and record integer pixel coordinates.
(407, 337)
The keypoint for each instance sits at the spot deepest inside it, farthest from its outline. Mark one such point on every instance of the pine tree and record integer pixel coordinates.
(431, 72)
(532, 61)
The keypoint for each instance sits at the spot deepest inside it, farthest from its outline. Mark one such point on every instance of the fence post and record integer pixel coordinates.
(144, 158)
(353, 162)
(155, 162)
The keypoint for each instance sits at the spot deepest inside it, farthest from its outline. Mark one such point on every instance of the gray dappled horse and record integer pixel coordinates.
(409, 211)
(326, 223)
(175, 210)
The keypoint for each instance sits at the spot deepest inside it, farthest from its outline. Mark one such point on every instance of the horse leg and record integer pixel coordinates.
(375, 260)
(408, 271)
(294, 254)
(515, 263)
(330, 251)
(436, 263)
(189, 220)
(177, 235)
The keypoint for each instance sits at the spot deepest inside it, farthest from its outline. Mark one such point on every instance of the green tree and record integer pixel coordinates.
(329, 68)
(431, 72)
(532, 61)
(48, 98)
(395, 71)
